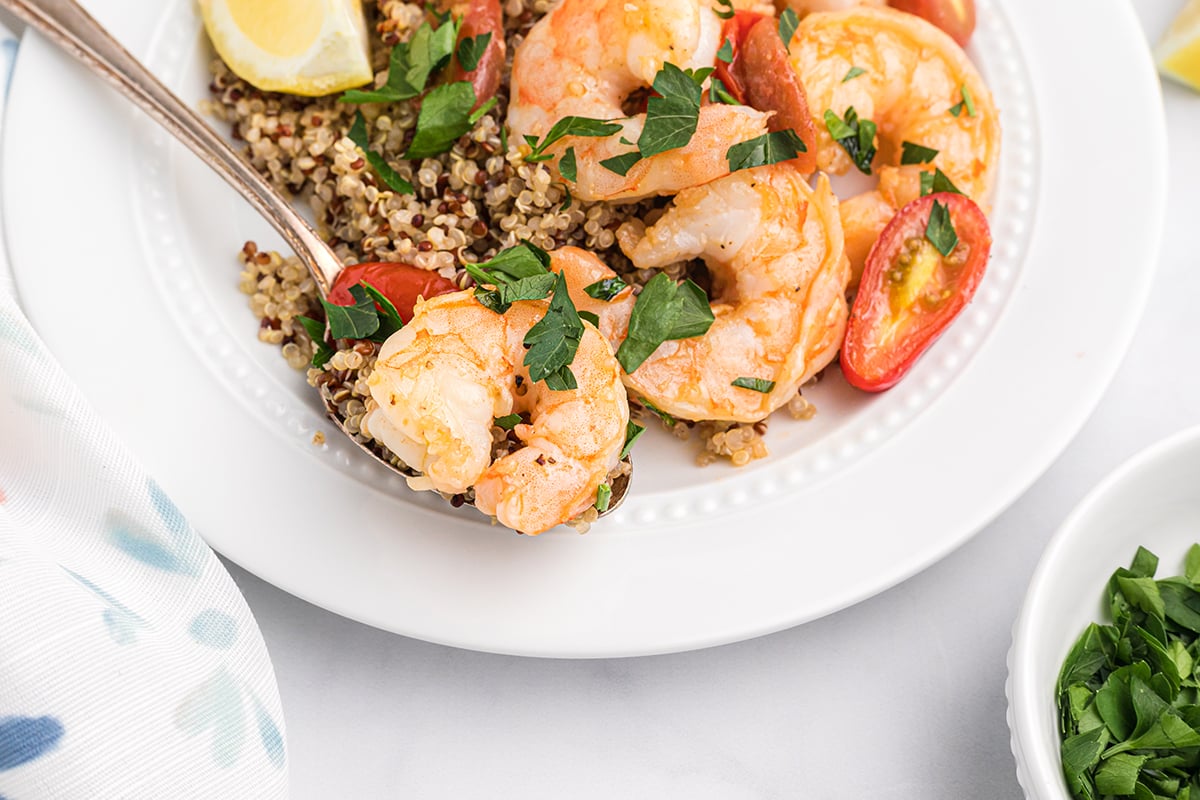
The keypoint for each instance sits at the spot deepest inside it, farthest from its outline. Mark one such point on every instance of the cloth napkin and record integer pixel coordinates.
(130, 666)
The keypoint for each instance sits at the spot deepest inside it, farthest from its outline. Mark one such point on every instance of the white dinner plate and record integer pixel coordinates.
(123, 248)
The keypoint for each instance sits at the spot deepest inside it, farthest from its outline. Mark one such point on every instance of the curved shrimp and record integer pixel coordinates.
(586, 57)
(802, 7)
(773, 247)
(912, 75)
(442, 380)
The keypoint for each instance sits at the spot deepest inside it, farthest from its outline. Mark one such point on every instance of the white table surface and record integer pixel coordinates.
(901, 696)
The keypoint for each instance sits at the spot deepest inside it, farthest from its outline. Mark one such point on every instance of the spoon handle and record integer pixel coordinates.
(66, 24)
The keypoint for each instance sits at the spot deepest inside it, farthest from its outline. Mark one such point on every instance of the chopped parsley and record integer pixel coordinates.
(936, 181)
(916, 154)
(673, 112)
(623, 163)
(940, 231)
(471, 49)
(508, 421)
(724, 9)
(667, 419)
(857, 137)
(363, 319)
(393, 180)
(770, 148)
(588, 316)
(568, 126)
(788, 22)
(518, 273)
(853, 73)
(718, 91)
(567, 166)
(322, 352)
(445, 116)
(410, 65)
(967, 102)
(605, 289)
(663, 311)
(754, 384)
(632, 432)
(725, 54)
(554, 340)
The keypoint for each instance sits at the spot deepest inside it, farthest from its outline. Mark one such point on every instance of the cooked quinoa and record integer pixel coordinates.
(468, 204)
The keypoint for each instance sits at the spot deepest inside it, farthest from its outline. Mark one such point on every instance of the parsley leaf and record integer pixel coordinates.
(566, 165)
(936, 181)
(672, 114)
(603, 497)
(667, 419)
(605, 289)
(857, 137)
(554, 340)
(588, 316)
(719, 92)
(623, 163)
(726, 52)
(724, 9)
(471, 49)
(389, 317)
(940, 231)
(967, 102)
(853, 73)
(358, 135)
(410, 65)
(569, 126)
(478, 113)
(788, 22)
(358, 321)
(770, 148)
(632, 432)
(521, 261)
(663, 311)
(535, 287)
(916, 154)
(444, 117)
(508, 421)
(754, 384)
(322, 352)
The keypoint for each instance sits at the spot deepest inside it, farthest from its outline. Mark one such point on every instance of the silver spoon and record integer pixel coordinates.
(71, 28)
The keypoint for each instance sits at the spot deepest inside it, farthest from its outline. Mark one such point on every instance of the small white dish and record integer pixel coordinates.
(1150, 501)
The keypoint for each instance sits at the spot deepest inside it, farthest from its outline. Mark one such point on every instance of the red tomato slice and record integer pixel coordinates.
(910, 292)
(480, 17)
(735, 30)
(400, 283)
(955, 17)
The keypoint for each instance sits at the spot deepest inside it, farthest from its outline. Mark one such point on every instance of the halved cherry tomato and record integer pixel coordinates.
(735, 30)
(910, 292)
(955, 17)
(400, 283)
(761, 76)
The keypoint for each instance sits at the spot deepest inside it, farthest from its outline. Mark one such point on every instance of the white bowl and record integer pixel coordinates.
(1152, 500)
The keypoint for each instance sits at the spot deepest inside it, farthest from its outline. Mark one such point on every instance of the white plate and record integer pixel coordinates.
(1150, 501)
(871, 491)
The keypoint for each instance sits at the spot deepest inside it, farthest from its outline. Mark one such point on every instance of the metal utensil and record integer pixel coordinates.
(71, 28)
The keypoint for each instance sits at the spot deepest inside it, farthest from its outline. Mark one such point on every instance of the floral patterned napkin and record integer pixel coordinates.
(130, 666)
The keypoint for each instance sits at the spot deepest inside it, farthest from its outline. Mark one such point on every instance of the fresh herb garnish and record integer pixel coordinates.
(520, 261)
(621, 164)
(358, 135)
(916, 154)
(389, 317)
(857, 137)
(667, 419)
(967, 102)
(632, 432)
(788, 22)
(444, 117)
(725, 9)
(410, 65)
(719, 92)
(770, 148)
(471, 49)
(673, 112)
(508, 421)
(755, 384)
(501, 298)
(588, 316)
(478, 113)
(568, 126)
(940, 231)
(566, 165)
(322, 352)
(603, 497)
(605, 289)
(362, 320)
(725, 54)
(554, 340)
(936, 181)
(663, 311)
(1127, 691)
(853, 73)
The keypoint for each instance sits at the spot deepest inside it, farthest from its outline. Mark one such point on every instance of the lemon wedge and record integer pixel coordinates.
(307, 47)
(1178, 54)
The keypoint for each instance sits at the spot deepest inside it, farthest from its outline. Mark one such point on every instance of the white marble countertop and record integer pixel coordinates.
(901, 696)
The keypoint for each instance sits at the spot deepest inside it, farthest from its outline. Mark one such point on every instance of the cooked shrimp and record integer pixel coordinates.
(585, 57)
(913, 74)
(803, 7)
(773, 247)
(442, 380)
